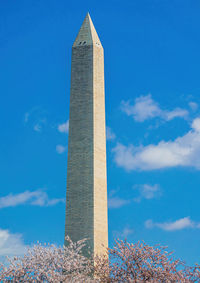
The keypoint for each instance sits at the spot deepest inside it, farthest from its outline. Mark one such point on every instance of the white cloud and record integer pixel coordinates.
(11, 244)
(183, 151)
(64, 128)
(38, 197)
(116, 202)
(147, 191)
(146, 108)
(179, 224)
(177, 112)
(110, 135)
(61, 148)
(143, 109)
(193, 105)
(196, 124)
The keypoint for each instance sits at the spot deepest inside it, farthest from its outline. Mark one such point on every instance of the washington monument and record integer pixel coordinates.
(86, 203)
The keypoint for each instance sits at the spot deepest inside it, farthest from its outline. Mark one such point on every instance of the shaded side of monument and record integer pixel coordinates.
(86, 201)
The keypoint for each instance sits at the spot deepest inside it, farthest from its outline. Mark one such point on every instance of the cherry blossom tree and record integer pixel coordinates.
(143, 263)
(125, 262)
(49, 264)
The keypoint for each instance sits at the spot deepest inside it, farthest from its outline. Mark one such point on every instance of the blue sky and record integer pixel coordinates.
(152, 112)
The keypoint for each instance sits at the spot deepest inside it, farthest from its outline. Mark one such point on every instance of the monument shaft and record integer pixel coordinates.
(86, 204)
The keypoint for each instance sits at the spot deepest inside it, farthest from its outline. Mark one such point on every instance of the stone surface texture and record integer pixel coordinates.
(86, 203)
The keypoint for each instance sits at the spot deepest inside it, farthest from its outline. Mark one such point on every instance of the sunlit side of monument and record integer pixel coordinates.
(86, 201)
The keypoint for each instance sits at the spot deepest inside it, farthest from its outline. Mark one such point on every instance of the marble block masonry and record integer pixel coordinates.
(86, 201)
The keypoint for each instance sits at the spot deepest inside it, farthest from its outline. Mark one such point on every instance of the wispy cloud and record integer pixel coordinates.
(114, 201)
(37, 127)
(146, 108)
(147, 191)
(179, 224)
(110, 135)
(26, 117)
(117, 202)
(61, 148)
(36, 117)
(39, 198)
(183, 151)
(64, 127)
(127, 231)
(11, 244)
(34, 111)
(193, 105)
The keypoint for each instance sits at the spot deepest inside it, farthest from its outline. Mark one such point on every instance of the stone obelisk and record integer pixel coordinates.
(86, 204)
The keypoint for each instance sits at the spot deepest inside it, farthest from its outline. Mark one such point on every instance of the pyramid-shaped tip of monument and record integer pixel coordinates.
(87, 34)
